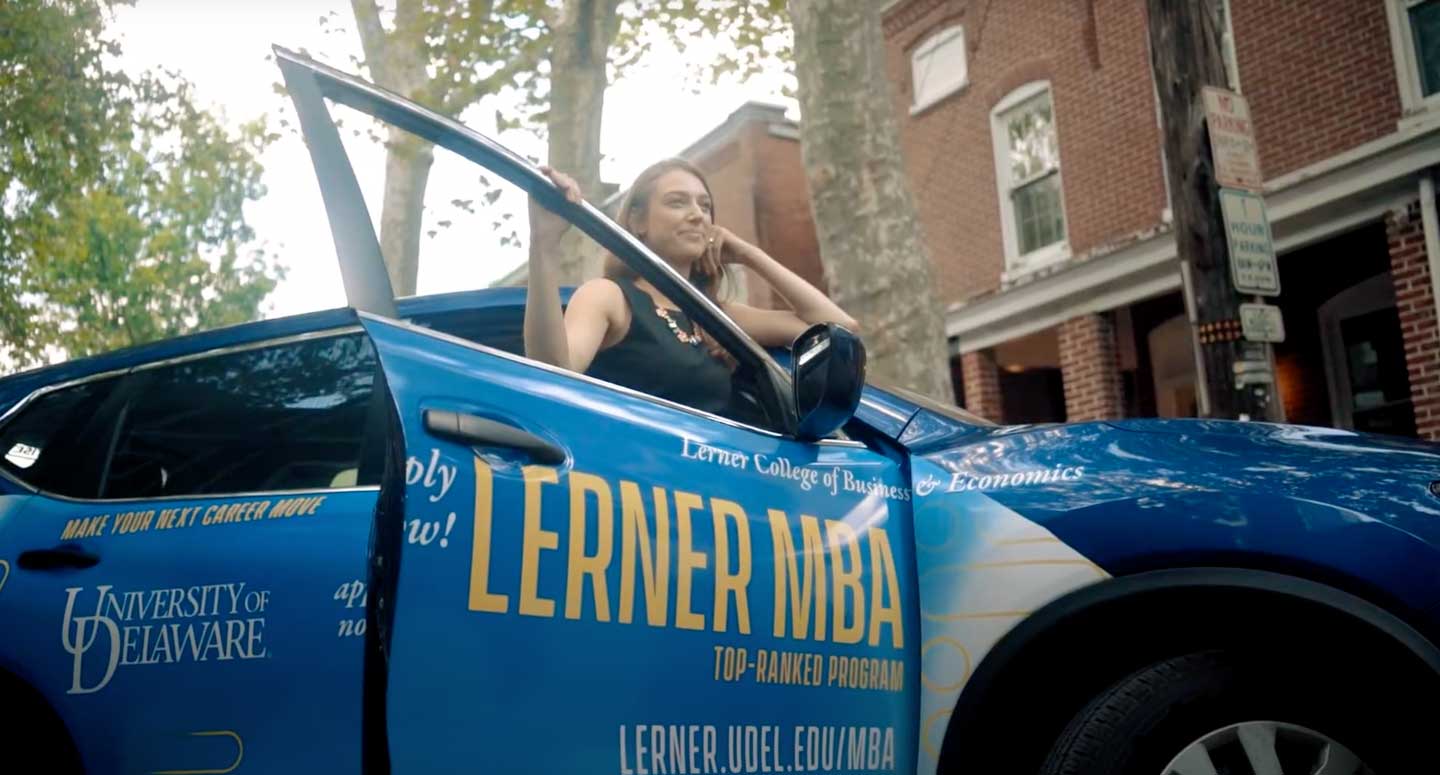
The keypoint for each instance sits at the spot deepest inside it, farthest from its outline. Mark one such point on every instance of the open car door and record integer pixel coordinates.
(567, 575)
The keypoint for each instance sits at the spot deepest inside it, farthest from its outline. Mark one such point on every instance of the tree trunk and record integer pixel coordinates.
(582, 39)
(876, 261)
(397, 60)
(1186, 54)
(407, 170)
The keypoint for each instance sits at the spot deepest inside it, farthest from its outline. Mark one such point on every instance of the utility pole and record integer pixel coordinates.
(1235, 379)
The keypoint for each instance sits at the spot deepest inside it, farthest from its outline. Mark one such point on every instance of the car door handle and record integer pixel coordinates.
(65, 556)
(469, 429)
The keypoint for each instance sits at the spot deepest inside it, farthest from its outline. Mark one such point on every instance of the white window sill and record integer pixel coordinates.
(1019, 268)
(921, 107)
(1423, 114)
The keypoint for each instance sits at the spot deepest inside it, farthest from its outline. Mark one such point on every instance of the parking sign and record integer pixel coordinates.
(1262, 323)
(1252, 252)
(1232, 140)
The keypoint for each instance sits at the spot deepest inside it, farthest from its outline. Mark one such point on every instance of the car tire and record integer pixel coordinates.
(31, 735)
(1142, 724)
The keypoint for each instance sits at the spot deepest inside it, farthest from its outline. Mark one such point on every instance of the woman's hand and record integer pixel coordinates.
(726, 248)
(775, 327)
(547, 227)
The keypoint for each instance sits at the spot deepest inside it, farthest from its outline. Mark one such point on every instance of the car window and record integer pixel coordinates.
(58, 440)
(501, 328)
(474, 233)
(289, 417)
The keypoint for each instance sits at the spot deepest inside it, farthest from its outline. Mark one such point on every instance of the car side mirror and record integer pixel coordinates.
(827, 372)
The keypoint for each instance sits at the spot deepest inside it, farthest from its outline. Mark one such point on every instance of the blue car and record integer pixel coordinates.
(378, 539)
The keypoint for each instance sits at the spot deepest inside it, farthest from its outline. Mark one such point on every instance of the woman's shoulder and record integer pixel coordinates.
(600, 291)
(602, 301)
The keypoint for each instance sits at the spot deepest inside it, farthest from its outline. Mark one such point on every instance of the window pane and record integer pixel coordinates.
(940, 68)
(280, 418)
(58, 441)
(1030, 131)
(1425, 22)
(1029, 237)
(1039, 219)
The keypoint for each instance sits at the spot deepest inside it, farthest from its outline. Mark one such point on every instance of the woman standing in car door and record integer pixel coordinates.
(621, 329)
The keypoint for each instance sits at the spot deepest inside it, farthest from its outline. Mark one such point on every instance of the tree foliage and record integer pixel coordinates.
(121, 201)
(748, 34)
(448, 56)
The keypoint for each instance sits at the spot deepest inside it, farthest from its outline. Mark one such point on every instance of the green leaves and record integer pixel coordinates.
(549, 60)
(123, 220)
(746, 36)
(449, 55)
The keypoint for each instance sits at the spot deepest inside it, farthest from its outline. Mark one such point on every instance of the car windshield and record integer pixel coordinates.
(925, 402)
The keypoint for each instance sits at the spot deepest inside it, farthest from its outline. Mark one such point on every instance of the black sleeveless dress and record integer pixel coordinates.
(652, 360)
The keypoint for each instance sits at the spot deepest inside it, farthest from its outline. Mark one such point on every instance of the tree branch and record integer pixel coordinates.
(372, 36)
(481, 9)
(464, 95)
(548, 16)
(462, 36)
(410, 20)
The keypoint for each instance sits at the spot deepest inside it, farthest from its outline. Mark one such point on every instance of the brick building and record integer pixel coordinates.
(752, 162)
(1031, 138)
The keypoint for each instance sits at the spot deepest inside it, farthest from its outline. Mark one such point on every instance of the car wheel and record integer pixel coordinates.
(31, 734)
(1223, 713)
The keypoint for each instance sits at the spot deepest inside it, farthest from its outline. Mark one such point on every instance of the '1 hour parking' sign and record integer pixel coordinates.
(1252, 252)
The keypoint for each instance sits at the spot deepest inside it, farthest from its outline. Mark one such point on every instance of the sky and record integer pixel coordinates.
(222, 48)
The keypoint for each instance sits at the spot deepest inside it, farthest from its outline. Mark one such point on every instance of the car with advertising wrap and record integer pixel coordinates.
(379, 539)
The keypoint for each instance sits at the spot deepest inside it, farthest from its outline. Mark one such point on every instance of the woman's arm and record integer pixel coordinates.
(545, 338)
(778, 328)
(568, 339)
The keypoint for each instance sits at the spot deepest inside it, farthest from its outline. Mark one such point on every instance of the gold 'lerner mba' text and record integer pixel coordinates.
(820, 588)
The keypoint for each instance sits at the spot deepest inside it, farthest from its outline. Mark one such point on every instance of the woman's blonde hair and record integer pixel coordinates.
(708, 273)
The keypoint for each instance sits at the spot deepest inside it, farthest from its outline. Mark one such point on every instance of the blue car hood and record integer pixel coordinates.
(1389, 479)
(1297, 436)
(1350, 508)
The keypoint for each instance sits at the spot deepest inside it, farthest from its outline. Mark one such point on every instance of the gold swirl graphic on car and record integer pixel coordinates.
(991, 571)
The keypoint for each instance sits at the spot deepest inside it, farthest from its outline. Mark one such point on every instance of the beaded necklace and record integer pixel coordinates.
(691, 338)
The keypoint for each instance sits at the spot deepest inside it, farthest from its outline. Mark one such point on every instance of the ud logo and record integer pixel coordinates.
(165, 626)
(79, 633)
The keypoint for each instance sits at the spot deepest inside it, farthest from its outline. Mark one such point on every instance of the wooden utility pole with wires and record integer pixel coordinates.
(1235, 379)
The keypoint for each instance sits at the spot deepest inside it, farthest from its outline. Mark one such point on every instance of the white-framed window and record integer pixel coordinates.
(1027, 170)
(1415, 43)
(938, 68)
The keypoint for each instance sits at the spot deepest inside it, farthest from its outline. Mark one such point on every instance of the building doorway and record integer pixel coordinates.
(1032, 389)
(1342, 363)
(1172, 368)
(1365, 359)
(1164, 378)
